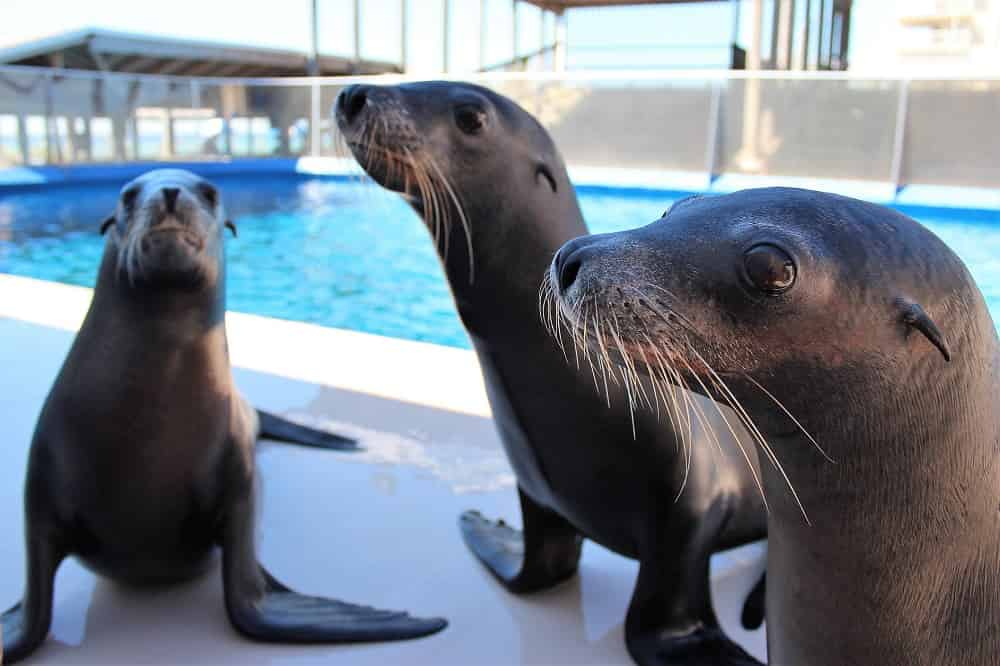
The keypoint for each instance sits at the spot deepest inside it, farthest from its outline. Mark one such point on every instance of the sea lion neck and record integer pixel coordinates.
(504, 271)
(176, 316)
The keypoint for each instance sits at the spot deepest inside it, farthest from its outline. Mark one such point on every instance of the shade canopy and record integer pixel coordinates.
(107, 50)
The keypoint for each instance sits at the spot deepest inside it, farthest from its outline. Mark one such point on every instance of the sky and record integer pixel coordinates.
(631, 36)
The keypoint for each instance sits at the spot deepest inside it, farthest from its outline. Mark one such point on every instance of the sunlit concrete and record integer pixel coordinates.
(376, 527)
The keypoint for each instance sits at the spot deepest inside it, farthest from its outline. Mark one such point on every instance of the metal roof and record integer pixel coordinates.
(106, 50)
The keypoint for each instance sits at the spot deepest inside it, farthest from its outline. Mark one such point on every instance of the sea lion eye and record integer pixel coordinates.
(129, 196)
(209, 193)
(470, 118)
(769, 268)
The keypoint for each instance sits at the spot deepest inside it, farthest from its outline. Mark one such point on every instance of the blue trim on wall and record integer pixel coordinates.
(21, 178)
(915, 201)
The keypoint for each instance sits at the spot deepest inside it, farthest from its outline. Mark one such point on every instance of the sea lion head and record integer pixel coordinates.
(167, 231)
(787, 304)
(462, 155)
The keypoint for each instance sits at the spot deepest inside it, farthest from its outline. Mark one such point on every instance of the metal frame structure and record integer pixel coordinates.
(716, 79)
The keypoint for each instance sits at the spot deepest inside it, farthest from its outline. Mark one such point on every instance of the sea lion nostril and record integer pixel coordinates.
(353, 100)
(170, 197)
(568, 273)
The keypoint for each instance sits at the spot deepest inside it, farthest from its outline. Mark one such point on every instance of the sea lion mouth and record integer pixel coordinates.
(174, 233)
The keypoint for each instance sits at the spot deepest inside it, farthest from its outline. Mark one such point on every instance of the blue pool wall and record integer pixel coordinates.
(960, 203)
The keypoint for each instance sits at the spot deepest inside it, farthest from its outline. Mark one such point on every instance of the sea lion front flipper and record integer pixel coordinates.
(547, 552)
(26, 625)
(753, 608)
(261, 608)
(283, 430)
(670, 619)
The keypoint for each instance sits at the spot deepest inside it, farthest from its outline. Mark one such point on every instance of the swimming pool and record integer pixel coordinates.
(344, 253)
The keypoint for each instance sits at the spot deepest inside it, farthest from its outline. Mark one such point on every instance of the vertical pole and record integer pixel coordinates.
(403, 53)
(168, 139)
(736, 20)
(819, 35)
(845, 33)
(747, 157)
(314, 52)
(562, 47)
(543, 55)
(22, 140)
(899, 139)
(357, 36)
(803, 54)
(754, 52)
(513, 32)
(482, 35)
(772, 59)
(712, 141)
(786, 14)
(88, 137)
(447, 29)
(314, 121)
(50, 152)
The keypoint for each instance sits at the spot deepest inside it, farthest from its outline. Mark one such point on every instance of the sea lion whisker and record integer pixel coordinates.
(752, 427)
(604, 360)
(790, 416)
(668, 394)
(746, 456)
(462, 218)
(627, 358)
(686, 445)
(591, 316)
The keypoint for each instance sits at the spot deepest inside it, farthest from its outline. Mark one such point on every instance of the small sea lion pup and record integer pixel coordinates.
(143, 456)
(493, 190)
(832, 323)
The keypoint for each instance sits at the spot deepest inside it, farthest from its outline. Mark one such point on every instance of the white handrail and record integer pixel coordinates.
(569, 76)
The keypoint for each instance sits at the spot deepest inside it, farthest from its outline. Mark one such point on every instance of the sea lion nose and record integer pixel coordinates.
(567, 263)
(170, 197)
(352, 100)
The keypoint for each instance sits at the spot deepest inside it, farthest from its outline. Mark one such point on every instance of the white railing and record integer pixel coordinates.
(922, 129)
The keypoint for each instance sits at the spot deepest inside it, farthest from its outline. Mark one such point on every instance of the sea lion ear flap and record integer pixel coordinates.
(106, 224)
(231, 227)
(915, 317)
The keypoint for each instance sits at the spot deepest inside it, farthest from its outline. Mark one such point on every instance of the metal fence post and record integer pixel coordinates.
(712, 140)
(50, 122)
(314, 121)
(195, 94)
(899, 140)
(22, 139)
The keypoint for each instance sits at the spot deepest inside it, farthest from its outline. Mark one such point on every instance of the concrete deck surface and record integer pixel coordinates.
(377, 527)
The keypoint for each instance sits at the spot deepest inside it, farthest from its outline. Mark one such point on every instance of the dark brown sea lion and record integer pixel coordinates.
(859, 349)
(585, 465)
(142, 460)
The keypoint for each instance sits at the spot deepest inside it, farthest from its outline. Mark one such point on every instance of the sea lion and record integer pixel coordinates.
(861, 350)
(142, 459)
(585, 465)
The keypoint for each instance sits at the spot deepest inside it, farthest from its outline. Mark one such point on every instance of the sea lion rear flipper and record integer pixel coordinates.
(275, 427)
(261, 608)
(26, 625)
(547, 552)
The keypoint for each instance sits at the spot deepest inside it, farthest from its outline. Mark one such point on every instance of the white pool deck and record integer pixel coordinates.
(378, 527)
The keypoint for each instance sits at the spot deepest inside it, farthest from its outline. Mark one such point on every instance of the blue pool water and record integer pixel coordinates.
(344, 253)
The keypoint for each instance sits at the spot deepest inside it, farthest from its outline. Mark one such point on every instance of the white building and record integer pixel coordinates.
(926, 37)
